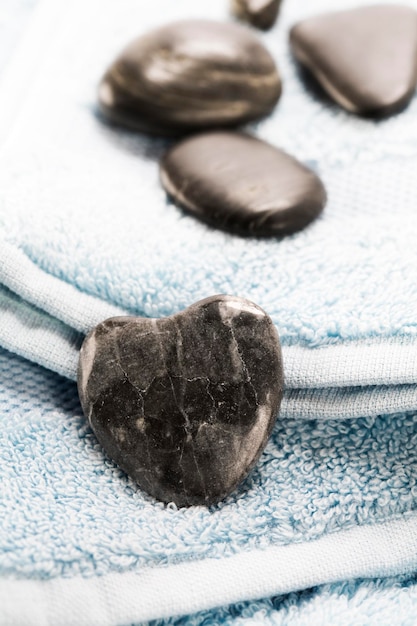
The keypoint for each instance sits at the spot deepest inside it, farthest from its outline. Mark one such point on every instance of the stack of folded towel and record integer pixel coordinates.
(86, 232)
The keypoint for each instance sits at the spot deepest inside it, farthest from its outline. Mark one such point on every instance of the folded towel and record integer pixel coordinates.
(82, 213)
(80, 544)
(87, 233)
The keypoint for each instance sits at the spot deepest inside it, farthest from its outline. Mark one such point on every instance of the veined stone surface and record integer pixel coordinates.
(365, 58)
(184, 404)
(190, 75)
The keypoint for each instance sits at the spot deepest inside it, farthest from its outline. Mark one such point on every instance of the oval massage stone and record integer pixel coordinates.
(190, 75)
(365, 58)
(184, 404)
(242, 184)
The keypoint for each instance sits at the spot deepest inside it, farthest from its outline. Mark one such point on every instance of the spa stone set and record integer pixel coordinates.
(186, 404)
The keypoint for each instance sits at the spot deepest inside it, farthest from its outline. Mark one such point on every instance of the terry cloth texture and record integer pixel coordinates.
(80, 544)
(86, 231)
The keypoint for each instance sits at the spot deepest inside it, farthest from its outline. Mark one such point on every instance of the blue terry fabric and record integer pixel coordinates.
(81, 201)
(350, 275)
(66, 509)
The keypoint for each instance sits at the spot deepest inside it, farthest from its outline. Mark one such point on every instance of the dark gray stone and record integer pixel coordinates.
(365, 58)
(184, 404)
(188, 76)
(259, 13)
(242, 184)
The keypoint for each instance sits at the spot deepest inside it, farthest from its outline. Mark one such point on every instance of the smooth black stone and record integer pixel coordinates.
(184, 404)
(259, 13)
(190, 75)
(365, 58)
(242, 184)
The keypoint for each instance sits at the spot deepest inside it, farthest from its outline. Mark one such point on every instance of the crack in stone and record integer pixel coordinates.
(205, 426)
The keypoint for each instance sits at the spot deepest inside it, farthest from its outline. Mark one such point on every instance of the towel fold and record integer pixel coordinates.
(87, 233)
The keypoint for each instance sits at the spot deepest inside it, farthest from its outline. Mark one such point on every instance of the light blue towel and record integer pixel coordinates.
(82, 213)
(86, 232)
(80, 544)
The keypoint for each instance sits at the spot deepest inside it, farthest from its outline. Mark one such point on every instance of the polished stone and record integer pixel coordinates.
(184, 404)
(242, 184)
(189, 75)
(259, 13)
(364, 58)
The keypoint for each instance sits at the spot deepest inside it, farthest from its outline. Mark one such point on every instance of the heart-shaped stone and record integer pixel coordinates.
(239, 183)
(190, 75)
(259, 13)
(184, 404)
(365, 58)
